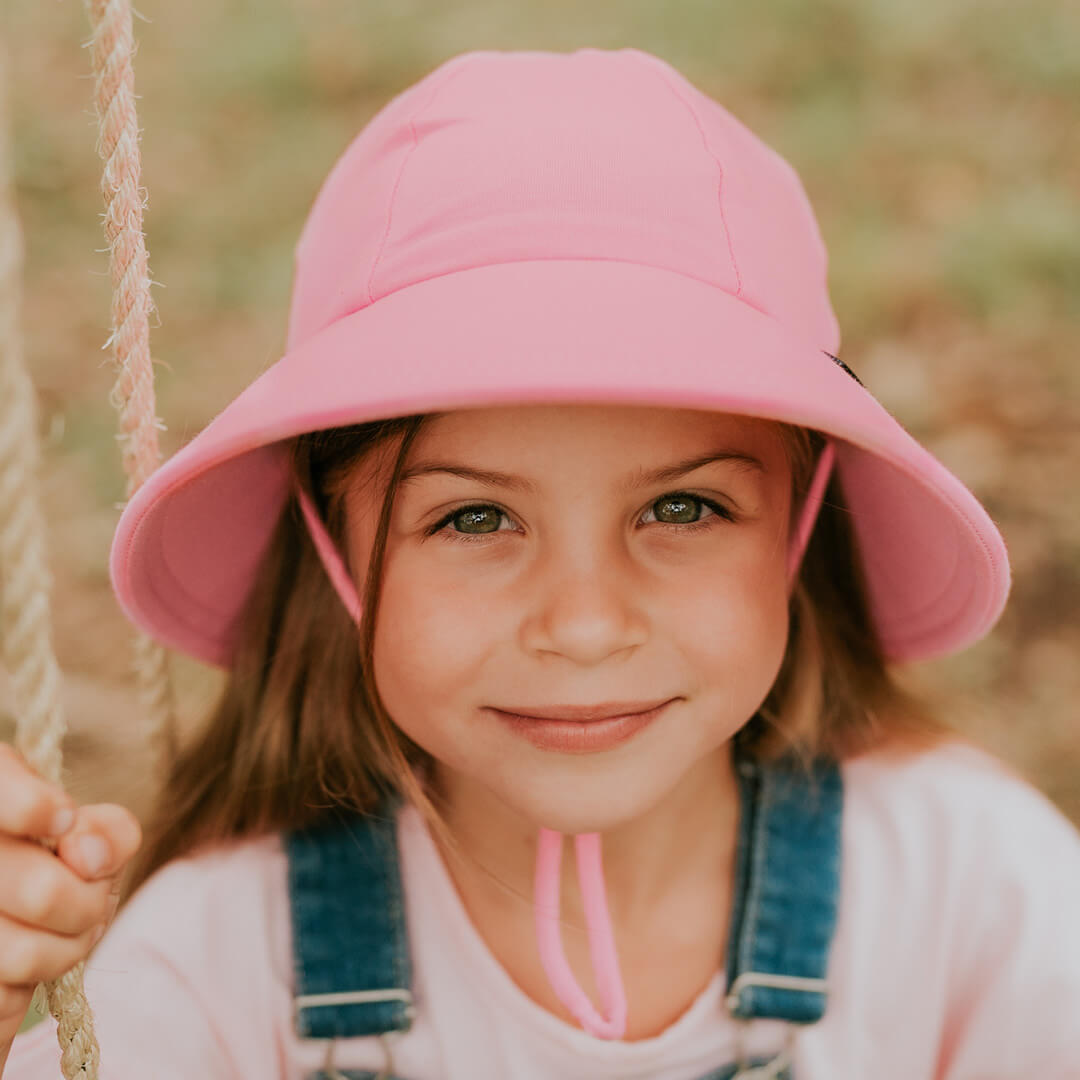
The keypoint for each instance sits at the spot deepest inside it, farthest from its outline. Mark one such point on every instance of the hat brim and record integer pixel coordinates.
(188, 544)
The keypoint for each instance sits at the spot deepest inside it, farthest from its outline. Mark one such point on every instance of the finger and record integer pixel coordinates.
(14, 1005)
(102, 840)
(30, 806)
(29, 956)
(38, 890)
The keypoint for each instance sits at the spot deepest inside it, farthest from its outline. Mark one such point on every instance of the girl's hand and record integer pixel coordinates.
(53, 907)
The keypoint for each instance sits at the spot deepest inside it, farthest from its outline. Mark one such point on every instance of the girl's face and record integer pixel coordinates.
(536, 558)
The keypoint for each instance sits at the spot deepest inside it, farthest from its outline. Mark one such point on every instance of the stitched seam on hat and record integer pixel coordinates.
(401, 172)
(720, 181)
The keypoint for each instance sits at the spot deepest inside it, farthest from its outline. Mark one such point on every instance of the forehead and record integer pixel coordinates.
(629, 431)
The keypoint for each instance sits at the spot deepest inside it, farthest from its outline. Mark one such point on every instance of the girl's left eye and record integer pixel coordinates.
(678, 504)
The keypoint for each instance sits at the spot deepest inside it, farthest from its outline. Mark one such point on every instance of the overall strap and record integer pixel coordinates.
(350, 944)
(787, 886)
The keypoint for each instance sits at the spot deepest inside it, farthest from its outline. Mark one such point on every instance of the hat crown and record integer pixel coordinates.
(499, 157)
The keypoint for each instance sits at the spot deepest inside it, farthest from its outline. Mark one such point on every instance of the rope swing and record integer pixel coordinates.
(24, 601)
(112, 47)
(25, 624)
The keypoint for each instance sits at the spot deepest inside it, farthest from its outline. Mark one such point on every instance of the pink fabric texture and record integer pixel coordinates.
(957, 957)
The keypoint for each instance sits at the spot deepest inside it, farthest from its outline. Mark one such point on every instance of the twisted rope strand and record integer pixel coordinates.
(112, 48)
(25, 624)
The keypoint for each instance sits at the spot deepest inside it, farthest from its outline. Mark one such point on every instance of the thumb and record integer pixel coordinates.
(101, 842)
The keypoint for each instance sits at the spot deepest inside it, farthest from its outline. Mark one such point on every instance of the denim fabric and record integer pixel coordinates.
(786, 891)
(351, 950)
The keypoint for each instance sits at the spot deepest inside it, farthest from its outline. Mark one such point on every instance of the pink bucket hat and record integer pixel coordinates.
(526, 227)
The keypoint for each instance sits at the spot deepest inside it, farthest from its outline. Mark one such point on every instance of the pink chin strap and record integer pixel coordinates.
(605, 960)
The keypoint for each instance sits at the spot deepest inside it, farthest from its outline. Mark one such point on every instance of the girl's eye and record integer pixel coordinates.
(676, 510)
(684, 509)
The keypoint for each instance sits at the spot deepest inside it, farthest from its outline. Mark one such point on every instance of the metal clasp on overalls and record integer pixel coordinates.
(330, 1070)
(773, 1068)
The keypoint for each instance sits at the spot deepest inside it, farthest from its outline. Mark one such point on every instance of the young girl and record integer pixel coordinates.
(560, 517)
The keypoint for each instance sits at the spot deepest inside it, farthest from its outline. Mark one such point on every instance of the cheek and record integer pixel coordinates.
(734, 628)
(428, 649)
(409, 661)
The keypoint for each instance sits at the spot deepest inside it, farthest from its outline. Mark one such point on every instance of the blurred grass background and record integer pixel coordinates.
(938, 142)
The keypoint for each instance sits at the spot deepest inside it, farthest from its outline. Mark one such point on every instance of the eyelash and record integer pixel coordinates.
(722, 513)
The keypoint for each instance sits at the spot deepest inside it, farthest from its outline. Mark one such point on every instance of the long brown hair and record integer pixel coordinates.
(299, 732)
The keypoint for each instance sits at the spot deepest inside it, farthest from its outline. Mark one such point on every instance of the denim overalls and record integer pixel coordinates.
(351, 949)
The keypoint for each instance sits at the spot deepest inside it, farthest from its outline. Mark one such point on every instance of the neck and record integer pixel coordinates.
(676, 847)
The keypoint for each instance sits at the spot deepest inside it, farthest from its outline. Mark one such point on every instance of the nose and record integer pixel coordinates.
(586, 609)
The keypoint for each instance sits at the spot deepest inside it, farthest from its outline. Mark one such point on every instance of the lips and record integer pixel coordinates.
(585, 713)
(582, 736)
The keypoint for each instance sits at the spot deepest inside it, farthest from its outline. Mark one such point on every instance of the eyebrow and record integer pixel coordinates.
(637, 479)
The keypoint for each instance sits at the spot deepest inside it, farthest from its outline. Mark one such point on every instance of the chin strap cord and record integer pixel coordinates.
(605, 960)
(810, 508)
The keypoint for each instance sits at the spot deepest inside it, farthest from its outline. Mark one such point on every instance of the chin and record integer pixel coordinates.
(586, 804)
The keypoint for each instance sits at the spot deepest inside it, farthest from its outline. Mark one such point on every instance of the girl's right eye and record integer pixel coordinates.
(483, 515)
